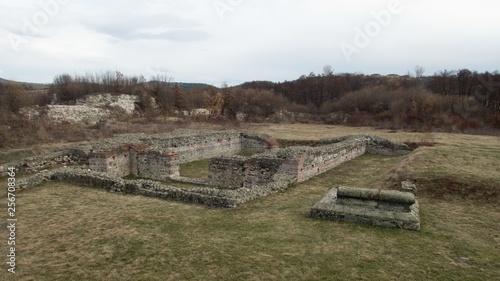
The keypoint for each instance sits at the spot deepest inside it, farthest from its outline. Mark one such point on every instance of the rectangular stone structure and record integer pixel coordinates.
(387, 208)
(158, 156)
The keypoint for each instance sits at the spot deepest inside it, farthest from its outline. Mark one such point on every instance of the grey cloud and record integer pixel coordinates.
(132, 28)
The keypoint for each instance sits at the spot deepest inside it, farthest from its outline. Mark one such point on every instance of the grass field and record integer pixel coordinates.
(67, 232)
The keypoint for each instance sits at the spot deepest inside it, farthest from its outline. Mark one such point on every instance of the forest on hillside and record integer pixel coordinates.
(460, 101)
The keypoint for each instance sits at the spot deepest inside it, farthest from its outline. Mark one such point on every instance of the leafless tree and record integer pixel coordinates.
(419, 71)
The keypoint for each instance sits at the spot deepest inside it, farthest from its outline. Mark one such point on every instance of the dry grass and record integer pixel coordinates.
(68, 232)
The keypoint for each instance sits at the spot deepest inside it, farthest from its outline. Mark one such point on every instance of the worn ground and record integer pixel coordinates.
(67, 232)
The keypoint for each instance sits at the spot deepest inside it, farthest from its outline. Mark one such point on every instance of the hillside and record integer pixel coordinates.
(27, 85)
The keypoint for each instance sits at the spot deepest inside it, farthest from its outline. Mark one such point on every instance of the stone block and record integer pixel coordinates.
(375, 207)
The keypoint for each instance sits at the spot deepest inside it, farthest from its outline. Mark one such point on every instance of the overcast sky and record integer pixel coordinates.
(233, 41)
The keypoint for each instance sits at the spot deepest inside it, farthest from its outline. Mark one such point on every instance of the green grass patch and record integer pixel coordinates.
(196, 169)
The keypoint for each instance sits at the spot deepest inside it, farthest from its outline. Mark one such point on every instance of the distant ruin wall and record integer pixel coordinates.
(374, 144)
(193, 148)
(255, 143)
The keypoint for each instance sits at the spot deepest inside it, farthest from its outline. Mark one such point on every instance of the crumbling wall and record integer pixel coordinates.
(115, 163)
(90, 109)
(156, 165)
(300, 163)
(260, 171)
(187, 146)
(215, 197)
(257, 143)
(374, 144)
(196, 147)
(66, 157)
(322, 159)
(227, 171)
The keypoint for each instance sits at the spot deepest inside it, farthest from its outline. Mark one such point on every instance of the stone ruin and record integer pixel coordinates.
(234, 177)
(159, 156)
(388, 208)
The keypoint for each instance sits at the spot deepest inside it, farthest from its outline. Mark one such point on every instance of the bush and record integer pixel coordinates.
(14, 98)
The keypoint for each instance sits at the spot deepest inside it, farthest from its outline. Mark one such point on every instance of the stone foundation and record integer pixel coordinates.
(158, 156)
(233, 179)
(388, 208)
(210, 196)
(300, 163)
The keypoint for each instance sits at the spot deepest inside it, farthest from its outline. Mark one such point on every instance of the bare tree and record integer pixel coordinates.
(327, 70)
(419, 71)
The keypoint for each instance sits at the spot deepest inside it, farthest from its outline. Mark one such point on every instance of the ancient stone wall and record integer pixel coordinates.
(232, 179)
(227, 171)
(115, 163)
(214, 197)
(204, 146)
(66, 157)
(322, 159)
(260, 171)
(156, 166)
(301, 163)
(254, 143)
(152, 156)
(374, 144)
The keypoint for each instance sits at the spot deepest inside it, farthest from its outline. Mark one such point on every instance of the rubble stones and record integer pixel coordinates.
(91, 109)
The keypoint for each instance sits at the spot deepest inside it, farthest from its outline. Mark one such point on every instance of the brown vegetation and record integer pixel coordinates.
(456, 101)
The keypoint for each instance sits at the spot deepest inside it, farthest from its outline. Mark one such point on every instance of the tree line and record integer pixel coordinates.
(446, 99)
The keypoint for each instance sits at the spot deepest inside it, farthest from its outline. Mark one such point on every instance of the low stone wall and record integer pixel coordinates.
(214, 197)
(203, 145)
(158, 156)
(388, 208)
(232, 180)
(322, 159)
(257, 143)
(300, 163)
(67, 157)
(375, 144)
